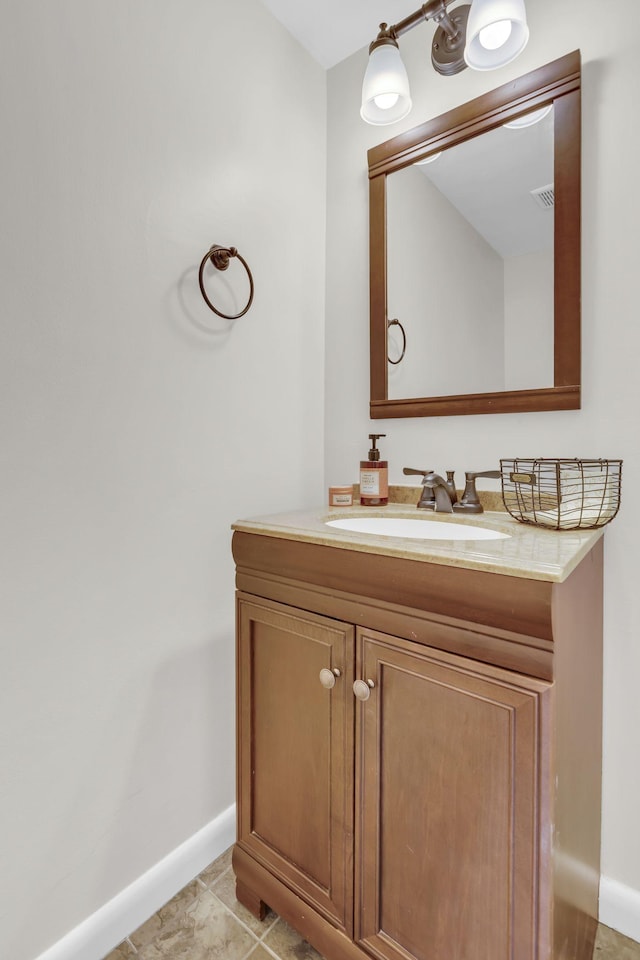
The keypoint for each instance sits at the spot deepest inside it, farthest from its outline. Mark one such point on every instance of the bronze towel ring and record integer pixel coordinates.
(391, 323)
(219, 257)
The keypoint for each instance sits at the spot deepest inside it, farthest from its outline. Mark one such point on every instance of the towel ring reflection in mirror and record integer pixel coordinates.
(391, 323)
(220, 257)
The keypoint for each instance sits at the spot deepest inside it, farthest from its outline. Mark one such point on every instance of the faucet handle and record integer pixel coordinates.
(470, 502)
(411, 472)
(494, 474)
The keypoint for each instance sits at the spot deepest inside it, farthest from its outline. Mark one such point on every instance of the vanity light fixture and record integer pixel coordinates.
(483, 35)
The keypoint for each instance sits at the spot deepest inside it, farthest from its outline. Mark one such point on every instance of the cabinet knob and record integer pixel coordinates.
(363, 688)
(328, 677)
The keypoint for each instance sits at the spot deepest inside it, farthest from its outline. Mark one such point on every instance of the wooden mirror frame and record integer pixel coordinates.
(559, 82)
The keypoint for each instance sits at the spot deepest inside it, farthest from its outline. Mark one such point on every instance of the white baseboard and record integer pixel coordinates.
(620, 907)
(107, 927)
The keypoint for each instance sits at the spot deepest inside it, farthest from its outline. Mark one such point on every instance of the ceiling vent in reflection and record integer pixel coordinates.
(544, 196)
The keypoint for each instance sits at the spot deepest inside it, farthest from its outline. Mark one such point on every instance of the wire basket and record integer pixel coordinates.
(562, 494)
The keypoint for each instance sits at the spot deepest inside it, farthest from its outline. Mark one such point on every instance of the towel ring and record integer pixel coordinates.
(391, 323)
(219, 257)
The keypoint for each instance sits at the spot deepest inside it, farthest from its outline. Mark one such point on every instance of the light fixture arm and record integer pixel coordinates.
(435, 10)
(447, 51)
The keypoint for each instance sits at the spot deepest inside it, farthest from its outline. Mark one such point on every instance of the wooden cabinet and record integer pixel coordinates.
(295, 752)
(428, 815)
(448, 795)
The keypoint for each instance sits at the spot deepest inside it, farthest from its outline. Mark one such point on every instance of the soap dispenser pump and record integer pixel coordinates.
(374, 476)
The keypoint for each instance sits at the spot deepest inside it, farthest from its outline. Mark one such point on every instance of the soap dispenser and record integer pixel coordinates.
(374, 476)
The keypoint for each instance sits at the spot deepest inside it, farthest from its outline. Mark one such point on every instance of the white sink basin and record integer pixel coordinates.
(416, 528)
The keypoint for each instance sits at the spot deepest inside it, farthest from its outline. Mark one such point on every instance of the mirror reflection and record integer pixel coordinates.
(470, 260)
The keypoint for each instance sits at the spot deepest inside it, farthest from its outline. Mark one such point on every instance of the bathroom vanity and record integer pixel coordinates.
(419, 737)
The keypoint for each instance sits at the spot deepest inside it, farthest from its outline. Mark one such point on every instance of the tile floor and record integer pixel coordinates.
(205, 922)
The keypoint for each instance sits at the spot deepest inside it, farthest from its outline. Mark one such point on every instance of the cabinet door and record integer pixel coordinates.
(447, 806)
(295, 751)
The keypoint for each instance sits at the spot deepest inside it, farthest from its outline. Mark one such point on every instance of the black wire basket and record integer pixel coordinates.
(562, 494)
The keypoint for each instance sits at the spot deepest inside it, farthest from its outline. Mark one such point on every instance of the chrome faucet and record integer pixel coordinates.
(437, 494)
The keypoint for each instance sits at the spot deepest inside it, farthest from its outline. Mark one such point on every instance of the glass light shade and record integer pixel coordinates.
(495, 35)
(489, 21)
(385, 88)
(528, 119)
(430, 159)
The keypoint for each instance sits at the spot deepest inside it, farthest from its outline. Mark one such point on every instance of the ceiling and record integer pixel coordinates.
(334, 29)
(490, 180)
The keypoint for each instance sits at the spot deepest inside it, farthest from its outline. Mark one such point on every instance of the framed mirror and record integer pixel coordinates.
(475, 255)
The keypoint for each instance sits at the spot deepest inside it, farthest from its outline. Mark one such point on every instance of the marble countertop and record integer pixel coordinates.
(529, 551)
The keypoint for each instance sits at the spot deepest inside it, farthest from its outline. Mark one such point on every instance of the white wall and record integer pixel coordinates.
(135, 426)
(607, 423)
(528, 320)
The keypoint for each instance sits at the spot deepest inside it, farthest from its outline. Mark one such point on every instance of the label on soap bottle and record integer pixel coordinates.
(373, 483)
(370, 483)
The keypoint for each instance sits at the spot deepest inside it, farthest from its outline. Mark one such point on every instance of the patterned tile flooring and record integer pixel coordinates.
(205, 922)
(611, 945)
